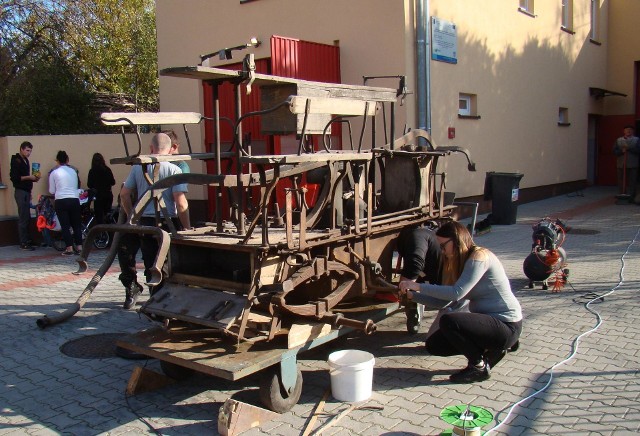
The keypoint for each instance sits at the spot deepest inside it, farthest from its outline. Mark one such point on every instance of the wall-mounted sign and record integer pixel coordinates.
(444, 41)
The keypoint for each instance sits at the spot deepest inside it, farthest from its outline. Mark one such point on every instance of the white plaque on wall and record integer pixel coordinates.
(444, 41)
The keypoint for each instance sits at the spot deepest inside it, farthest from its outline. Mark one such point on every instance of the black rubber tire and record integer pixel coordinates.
(102, 240)
(174, 371)
(59, 244)
(272, 393)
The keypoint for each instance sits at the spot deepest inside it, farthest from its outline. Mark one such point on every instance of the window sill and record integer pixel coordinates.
(469, 117)
(593, 41)
(526, 12)
(563, 124)
(569, 31)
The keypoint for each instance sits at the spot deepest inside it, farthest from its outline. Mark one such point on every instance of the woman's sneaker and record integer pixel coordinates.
(471, 374)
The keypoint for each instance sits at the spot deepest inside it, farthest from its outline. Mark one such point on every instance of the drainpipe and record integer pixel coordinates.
(423, 69)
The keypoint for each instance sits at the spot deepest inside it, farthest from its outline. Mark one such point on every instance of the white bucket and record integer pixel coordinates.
(351, 375)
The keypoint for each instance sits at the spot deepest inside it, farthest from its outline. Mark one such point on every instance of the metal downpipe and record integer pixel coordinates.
(423, 76)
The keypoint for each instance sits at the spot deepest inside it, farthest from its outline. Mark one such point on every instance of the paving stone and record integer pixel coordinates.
(594, 392)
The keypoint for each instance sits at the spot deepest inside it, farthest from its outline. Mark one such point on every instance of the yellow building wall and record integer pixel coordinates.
(80, 149)
(624, 51)
(522, 69)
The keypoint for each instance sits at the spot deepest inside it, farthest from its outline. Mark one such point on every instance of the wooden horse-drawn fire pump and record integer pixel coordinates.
(256, 286)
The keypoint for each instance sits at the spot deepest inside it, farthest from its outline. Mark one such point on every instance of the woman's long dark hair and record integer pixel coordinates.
(463, 248)
(97, 161)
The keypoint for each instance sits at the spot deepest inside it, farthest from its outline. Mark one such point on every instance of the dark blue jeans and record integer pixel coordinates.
(23, 199)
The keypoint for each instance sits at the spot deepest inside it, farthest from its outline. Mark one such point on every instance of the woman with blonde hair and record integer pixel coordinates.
(494, 321)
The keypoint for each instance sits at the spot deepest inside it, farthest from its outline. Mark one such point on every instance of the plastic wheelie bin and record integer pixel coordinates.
(503, 189)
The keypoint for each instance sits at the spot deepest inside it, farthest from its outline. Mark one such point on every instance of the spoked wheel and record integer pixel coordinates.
(273, 394)
(102, 240)
(174, 371)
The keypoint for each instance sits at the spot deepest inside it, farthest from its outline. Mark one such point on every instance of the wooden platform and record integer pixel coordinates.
(213, 354)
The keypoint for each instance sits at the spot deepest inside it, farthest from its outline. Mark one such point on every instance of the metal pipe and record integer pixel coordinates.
(423, 76)
(46, 321)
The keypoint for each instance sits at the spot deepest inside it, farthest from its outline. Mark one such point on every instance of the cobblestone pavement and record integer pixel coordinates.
(554, 384)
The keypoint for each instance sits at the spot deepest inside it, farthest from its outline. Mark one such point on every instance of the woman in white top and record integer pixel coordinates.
(63, 184)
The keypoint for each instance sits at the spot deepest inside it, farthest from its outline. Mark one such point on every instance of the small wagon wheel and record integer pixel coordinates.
(273, 394)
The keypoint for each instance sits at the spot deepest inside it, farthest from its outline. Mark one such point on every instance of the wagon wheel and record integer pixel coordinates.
(174, 371)
(315, 289)
(273, 394)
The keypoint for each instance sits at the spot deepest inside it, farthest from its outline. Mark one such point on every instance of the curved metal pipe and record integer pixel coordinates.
(46, 321)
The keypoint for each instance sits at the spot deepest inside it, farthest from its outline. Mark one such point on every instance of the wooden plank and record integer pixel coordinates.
(144, 380)
(236, 417)
(142, 118)
(333, 106)
(302, 333)
(330, 89)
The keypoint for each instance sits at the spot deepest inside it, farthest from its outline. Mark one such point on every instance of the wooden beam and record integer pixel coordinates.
(142, 118)
(236, 417)
(302, 333)
(332, 106)
(144, 380)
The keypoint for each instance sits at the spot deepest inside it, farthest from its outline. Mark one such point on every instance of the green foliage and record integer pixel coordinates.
(58, 56)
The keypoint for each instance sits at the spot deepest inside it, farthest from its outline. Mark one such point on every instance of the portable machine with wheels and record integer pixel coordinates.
(299, 243)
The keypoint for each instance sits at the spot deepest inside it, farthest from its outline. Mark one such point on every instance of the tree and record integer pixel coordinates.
(61, 60)
(114, 44)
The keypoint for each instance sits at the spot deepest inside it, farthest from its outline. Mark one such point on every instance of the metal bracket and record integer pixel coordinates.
(289, 372)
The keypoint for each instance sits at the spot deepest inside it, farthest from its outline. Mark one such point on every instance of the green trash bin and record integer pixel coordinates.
(503, 189)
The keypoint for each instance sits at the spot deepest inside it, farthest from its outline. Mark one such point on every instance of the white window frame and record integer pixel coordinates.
(563, 115)
(567, 14)
(464, 111)
(527, 6)
(595, 16)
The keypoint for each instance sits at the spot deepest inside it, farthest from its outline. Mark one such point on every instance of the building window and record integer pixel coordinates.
(526, 6)
(563, 116)
(464, 104)
(468, 106)
(595, 19)
(567, 15)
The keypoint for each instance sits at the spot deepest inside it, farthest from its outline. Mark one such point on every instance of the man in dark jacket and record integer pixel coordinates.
(420, 254)
(22, 179)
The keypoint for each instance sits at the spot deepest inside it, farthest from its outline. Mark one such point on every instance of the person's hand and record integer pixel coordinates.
(36, 178)
(405, 288)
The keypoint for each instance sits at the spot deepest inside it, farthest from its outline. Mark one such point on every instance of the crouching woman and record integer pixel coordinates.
(494, 321)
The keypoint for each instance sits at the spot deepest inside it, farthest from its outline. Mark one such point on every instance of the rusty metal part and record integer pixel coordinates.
(338, 320)
(319, 268)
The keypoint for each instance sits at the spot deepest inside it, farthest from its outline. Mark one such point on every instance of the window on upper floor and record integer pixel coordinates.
(595, 20)
(526, 6)
(563, 116)
(567, 15)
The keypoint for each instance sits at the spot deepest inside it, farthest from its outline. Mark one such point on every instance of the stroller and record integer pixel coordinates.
(49, 225)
